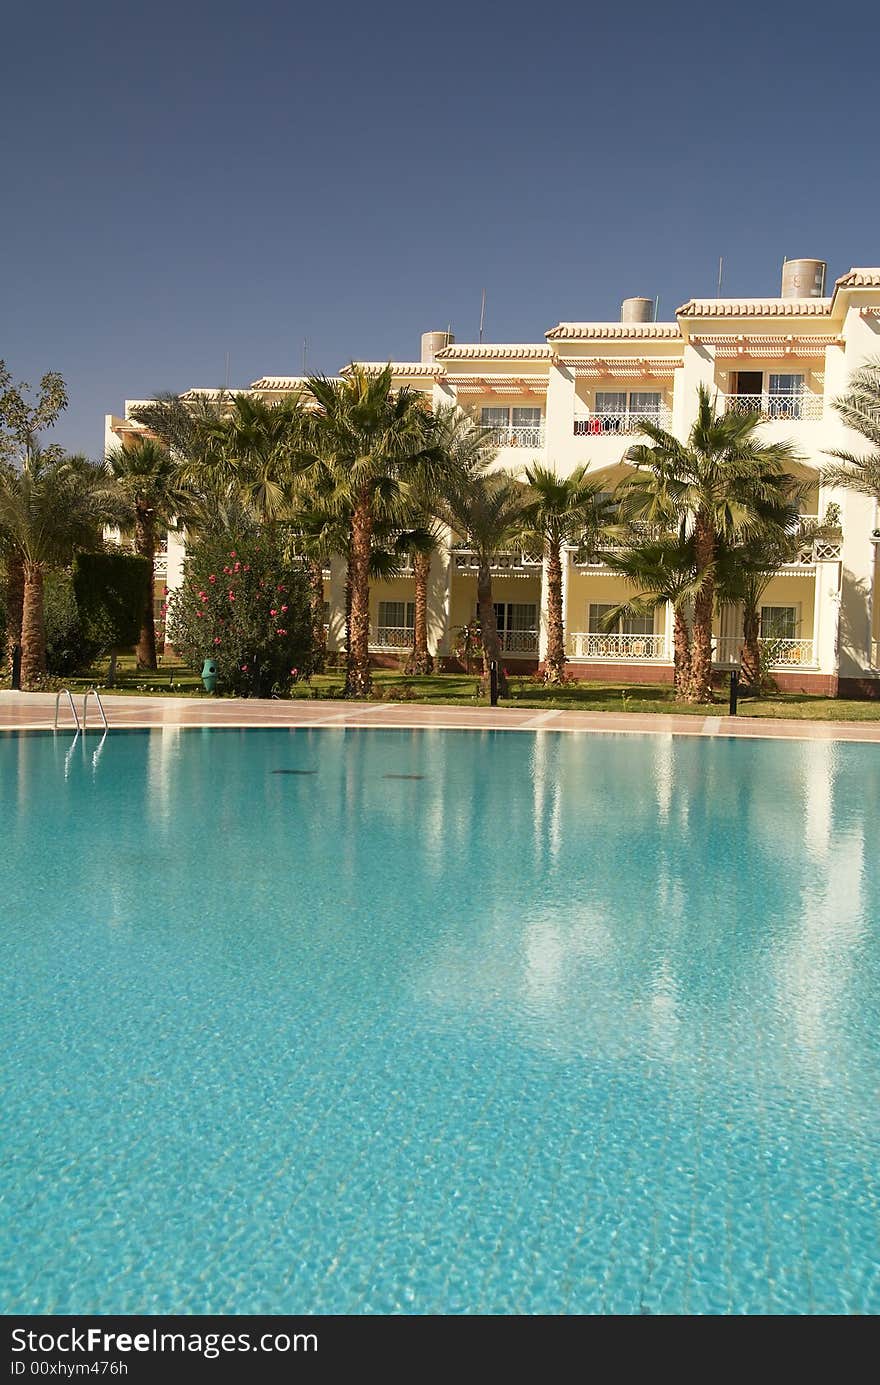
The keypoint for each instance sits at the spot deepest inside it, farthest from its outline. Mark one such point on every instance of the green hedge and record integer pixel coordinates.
(111, 591)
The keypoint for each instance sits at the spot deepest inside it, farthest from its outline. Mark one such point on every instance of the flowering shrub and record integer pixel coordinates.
(243, 606)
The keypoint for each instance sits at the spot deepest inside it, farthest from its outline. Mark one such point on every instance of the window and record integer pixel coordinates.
(614, 410)
(785, 396)
(779, 622)
(517, 624)
(516, 427)
(630, 625)
(397, 615)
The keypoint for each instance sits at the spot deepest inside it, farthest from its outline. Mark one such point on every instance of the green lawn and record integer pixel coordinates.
(454, 688)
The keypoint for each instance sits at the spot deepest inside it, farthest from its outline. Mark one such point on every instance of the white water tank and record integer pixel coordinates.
(432, 342)
(803, 278)
(637, 310)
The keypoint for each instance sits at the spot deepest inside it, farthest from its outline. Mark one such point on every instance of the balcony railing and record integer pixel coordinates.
(518, 641)
(620, 421)
(518, 435)
(391, 637)
(594, 645)
(160, 564)
(778, 653)
(786, 407)
(465, 560)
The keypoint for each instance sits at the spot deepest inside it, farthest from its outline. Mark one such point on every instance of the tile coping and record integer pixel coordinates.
(36, 712)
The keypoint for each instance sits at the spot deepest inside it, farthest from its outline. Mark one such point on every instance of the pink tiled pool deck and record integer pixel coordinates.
(36, 711)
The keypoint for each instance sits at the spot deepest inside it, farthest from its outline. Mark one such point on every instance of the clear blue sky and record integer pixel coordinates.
(184, 180)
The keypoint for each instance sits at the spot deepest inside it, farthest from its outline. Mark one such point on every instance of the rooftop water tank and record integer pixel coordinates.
(803, 278)
(432, 342)
(637, 310)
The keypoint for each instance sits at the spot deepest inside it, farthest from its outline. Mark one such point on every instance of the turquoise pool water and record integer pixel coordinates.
(562, 1023)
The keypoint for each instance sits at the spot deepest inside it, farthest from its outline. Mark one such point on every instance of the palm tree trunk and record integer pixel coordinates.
(420, 661)
(33, 627)
(14, 606)
(554, 664)
(751, 650)
(681, 653)
(489, 629)
(145, 545)
(704, 608)
(358, 680)
(316, 606)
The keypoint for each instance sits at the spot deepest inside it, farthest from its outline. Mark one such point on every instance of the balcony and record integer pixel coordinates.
(160, 563)
(596, 646)
(778, 653)
(518, 435)
(465, 560)
(784, 408)
(619, 421)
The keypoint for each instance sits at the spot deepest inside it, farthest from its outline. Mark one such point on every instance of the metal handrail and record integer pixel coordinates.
(58, 696)
(97, 696)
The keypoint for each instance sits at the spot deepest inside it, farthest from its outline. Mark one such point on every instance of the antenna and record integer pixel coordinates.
(657, 308)
(482, 314)
(720, 275)
(226, 380)
(305, 354)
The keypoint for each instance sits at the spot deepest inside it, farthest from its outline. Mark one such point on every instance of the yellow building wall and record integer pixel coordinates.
(463, 607)
(585, 587)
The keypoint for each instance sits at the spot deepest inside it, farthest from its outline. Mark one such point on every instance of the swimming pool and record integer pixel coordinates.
(380, 1021)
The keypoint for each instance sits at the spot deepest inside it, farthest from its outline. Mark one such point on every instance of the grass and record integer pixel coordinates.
(461, 689)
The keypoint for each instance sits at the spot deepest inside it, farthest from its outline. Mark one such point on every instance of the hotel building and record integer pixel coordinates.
(578, 398)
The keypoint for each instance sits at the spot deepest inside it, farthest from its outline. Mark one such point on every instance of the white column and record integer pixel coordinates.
(559, 422)
(336, 632)
(566, 565)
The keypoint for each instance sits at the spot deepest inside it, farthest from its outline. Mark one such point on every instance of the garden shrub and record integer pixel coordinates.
(69, 648)
(111, 591)
(246, 606)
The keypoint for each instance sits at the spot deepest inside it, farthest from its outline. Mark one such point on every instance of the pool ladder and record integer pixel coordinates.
(81, 726)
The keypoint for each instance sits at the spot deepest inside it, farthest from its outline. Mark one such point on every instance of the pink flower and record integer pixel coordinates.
(284, 608)
(212, 578)
(294, 671)
(280, 632)
(199, 614)
(247, 567)
(216, 639)
(244, 668)
(232, 596)
(232, 553)
(237, 567)
(227, 570)
(280, 589)
(273, 612)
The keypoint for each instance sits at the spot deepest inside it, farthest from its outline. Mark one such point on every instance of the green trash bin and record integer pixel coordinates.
(209, 675)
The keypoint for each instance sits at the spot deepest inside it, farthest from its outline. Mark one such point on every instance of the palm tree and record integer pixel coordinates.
(251, 450)
(717, 481)
(561, 510)
(376, 446)
(49, 509)
(859, 408)
(746, 569)
(488, 510)
(662, 570)
(457, 447)
(152, 483)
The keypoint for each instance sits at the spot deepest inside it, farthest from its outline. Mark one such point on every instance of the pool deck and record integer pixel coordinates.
(36, 711)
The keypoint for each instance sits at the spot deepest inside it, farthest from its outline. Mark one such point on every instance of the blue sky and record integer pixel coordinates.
(185, 180)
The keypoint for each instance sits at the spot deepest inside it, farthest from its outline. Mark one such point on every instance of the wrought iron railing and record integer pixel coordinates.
(594, 645)
(518, 641)
(619, 420)
(392, 637)
(465, 559)
(160, 563)
(518, 435)
(777, 653)
(776, 406)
